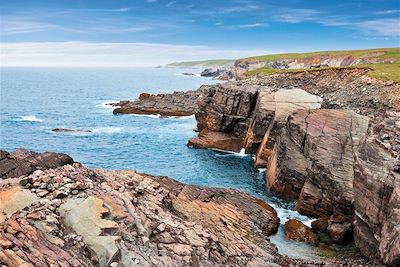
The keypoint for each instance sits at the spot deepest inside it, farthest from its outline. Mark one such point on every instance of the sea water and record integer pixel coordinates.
(33, 101)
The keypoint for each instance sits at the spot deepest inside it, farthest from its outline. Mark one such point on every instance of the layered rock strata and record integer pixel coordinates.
(377, 199)
(174, 104)
(245, 115)
(74, 216)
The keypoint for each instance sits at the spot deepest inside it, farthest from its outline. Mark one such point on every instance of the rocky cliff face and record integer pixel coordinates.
(377, 195)
(323, 158)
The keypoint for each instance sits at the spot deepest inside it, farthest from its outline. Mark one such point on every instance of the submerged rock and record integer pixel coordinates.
(70, 130)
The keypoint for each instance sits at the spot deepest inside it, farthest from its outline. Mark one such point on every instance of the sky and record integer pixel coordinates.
(155, 32)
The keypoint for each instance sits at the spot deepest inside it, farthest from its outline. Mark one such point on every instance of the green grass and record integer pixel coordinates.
(386, 53)
(384, 71)
(203, 63)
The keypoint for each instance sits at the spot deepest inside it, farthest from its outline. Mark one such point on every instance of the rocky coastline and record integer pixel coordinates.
(328, 140)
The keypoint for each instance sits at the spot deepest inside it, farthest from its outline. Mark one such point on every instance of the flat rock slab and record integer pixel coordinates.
(14, 199)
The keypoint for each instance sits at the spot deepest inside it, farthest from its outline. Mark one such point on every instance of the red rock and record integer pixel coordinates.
(296, 230)
(377, 198)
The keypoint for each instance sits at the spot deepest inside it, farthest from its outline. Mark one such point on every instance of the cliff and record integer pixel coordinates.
(339, 165)
(316, 60)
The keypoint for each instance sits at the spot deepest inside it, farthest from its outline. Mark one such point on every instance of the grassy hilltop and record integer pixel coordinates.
(384, 71)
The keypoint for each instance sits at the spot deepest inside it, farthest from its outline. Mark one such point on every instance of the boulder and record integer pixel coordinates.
(320, 224)
(296, 230)
(339, 232)
(23, 162)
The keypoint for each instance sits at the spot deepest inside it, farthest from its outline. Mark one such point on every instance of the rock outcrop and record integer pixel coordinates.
(210, 72)
(296, 230)
(245, 115)
(23, 162)
(174, 104)
(74, 216)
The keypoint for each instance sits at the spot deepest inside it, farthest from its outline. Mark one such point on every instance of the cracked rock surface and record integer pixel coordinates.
(75, 216)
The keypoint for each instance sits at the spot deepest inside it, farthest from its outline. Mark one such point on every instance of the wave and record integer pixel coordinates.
(147, 115)
(30, 118)
(287, 214)
(107, 130)
(158, 116)
(106, 104)
(241, 154)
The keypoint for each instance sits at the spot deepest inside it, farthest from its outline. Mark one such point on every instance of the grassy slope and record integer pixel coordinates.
(387, 53)
(389, 71)
(203, 63)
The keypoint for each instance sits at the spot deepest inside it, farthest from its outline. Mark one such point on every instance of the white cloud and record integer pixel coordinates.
(83, 54)
(380, 27)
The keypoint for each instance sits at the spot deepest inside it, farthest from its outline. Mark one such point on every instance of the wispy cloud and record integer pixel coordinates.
(388, 12)
(377, 27)
(296, 15)
(238, 9)
(17, 25)
(169, 4)
(380, 27)
(83, 54)
(254, 25)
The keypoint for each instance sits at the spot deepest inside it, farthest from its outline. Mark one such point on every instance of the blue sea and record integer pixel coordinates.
(35, 100)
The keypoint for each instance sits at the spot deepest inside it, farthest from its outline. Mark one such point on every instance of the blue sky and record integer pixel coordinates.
(166, 30)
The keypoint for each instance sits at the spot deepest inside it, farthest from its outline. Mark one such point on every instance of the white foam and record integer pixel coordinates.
(107, 130)
(240, 154)
(107, 104)
(262, 169)
(187, 117)
(147, 115)
(286, 214)
(31, 118)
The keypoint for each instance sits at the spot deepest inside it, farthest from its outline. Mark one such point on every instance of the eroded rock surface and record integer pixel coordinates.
(377, 203)
(327, 138)
(83, 217)
(22, 162)
(174, 104)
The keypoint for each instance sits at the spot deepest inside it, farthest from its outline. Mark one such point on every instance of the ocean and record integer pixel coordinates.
(33, 101)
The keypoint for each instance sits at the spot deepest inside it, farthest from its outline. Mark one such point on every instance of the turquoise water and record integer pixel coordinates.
(34, 101)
